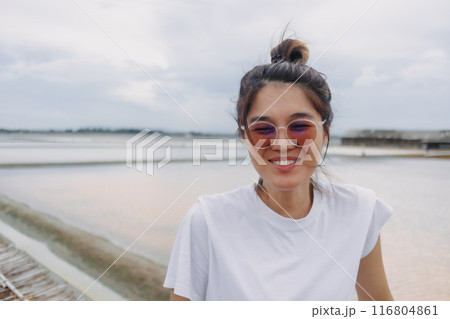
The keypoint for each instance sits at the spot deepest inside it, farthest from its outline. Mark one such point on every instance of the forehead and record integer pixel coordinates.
(279, 101)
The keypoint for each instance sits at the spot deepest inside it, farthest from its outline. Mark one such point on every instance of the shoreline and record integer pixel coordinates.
(75, 253)
(372, 151)
(335, 151)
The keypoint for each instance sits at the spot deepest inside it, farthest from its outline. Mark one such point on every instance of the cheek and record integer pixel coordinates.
(311, 156)
(320, 139)
(257, 158)
(259, 163)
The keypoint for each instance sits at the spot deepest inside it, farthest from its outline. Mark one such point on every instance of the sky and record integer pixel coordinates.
(76, 63)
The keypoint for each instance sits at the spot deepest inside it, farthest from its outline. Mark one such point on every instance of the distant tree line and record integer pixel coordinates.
(97, 130)
(81, 130)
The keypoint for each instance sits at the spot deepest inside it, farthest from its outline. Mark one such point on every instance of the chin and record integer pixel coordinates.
(285, 183)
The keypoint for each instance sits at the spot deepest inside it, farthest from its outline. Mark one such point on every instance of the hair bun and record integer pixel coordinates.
(293, 51)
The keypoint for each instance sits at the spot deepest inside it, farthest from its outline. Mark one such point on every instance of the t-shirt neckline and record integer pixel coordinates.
(287, 222)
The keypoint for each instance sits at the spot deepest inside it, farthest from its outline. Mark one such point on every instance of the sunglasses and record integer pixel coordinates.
(262, 134)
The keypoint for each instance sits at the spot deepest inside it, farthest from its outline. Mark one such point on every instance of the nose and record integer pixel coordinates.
(282, 142)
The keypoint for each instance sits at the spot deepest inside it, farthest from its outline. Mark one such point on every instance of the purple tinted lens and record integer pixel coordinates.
(263, 130)
(261, 134)
(301, 131)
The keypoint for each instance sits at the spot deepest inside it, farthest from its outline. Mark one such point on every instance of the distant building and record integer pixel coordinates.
(402, 139)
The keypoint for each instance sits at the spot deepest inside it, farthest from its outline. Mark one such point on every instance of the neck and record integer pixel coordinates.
(293, 203)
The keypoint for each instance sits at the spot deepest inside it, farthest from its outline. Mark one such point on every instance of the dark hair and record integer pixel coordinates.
(288, 66)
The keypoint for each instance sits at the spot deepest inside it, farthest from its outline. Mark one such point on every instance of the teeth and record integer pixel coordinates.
(283, 163)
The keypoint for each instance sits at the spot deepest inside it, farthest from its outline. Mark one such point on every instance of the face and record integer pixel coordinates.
(283, 165)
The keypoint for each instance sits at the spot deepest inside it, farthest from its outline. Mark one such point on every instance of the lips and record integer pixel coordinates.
(284, 162)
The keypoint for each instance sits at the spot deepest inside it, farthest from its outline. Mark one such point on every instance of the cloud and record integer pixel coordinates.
(199, 50)
(369, 77)
(431, 67)
(141, 93)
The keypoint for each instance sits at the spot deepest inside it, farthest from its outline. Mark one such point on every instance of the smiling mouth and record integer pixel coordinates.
(283, 162)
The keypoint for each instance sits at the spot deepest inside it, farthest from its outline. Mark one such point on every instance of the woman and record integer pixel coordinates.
(287, 237)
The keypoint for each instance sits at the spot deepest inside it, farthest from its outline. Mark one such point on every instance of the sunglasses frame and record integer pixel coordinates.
(272, 141)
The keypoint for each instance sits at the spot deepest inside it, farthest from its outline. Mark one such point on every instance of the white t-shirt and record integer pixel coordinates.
(232, 246)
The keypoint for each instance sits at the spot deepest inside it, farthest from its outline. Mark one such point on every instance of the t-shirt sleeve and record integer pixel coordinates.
(187, 272)
(380, 216)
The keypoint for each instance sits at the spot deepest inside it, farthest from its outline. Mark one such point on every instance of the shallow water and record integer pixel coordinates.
(120, 204)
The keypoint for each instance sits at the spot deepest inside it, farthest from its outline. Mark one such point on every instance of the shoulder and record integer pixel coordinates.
(221, 205)
(353, 201)
(348, 194)
(236, 197)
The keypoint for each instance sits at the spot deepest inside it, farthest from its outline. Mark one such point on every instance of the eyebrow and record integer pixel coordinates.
(291, 117)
